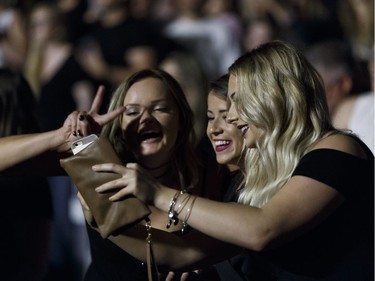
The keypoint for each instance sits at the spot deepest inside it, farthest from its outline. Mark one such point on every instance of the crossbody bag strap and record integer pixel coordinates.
(152, 269)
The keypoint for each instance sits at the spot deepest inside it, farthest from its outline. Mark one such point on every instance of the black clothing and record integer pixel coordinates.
(232, 269)
(115, 41)
(110, 262)
(341, 247)
(24, 197)
(56, 101)
(233, 184)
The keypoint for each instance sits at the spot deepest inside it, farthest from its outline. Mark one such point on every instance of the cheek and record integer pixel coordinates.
(233, 131)
(252, 136)
(208, 129)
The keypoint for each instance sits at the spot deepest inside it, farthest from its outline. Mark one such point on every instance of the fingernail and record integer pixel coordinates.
(98, 189)
(81, 117)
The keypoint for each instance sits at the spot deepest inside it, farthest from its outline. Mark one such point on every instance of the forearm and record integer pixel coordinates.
(179, 253)
(218, 219)
(191, 251)
(19, 148)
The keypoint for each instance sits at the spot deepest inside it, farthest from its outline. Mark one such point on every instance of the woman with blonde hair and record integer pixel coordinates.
(306, 211)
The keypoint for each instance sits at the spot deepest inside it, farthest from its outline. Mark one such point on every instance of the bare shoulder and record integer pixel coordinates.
(342, 143)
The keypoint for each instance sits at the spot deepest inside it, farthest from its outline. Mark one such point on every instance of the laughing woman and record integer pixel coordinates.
(306, 211)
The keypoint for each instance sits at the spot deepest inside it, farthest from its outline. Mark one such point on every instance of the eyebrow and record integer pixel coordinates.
(220, 111)
(152, 103)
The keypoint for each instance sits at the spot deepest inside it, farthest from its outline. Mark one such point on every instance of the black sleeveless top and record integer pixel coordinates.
(340, 248)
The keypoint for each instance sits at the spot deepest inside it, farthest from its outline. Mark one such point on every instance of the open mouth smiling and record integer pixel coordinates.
(243, 129)
(221, 145)
(148, 135)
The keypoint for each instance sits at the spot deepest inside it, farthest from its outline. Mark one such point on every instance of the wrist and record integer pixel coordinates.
(58, 141)
(163, 197)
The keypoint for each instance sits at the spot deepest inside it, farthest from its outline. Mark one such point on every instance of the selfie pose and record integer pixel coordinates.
(306, 210)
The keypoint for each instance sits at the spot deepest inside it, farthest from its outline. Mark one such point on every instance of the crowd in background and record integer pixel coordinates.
(67, 48)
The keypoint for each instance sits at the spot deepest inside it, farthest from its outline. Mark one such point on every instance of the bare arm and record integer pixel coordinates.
(19, 148)
(298, 207)
(191, 251)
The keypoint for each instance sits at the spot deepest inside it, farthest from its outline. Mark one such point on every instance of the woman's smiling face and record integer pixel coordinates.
(150, 121)
(225, 138)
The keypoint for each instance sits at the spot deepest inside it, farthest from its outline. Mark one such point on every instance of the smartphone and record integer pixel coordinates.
(82, 143)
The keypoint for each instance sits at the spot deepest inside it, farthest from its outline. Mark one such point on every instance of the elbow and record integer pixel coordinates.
(260, 241)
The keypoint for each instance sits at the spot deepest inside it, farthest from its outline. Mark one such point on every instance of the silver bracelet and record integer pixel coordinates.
(172, 214)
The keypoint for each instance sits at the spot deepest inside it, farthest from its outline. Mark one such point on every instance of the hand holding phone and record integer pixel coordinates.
(82, 143)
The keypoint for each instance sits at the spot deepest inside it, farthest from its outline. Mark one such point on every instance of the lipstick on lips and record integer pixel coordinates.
(221, 145)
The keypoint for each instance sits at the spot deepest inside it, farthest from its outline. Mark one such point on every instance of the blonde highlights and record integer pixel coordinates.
(279, 92)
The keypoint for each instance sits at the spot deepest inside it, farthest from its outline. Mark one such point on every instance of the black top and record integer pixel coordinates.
(341, 247)
(56, 101)
(115, 41)
(110, 263)
(24, 197)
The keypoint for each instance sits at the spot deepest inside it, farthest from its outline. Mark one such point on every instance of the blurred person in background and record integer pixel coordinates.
(185, 67)
(356, 112)
(357, 20)
(74, 12)
(297, 21)
(226, 31)
(25, 202)
(337, 66)
(205, 35)
(60, 85)
(13, 36)
(258, 31)
(120, 44)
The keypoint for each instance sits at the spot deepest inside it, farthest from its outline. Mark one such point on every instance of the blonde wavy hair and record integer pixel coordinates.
(279, 92)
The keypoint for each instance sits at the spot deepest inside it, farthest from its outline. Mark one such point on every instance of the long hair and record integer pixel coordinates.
(17, 104)
(34, 60)
(184, 156)
(279, 92)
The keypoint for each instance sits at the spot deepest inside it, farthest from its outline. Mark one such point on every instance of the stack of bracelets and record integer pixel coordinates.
(173, 212)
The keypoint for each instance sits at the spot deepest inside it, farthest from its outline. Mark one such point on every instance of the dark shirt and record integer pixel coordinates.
(56, 101)
(342, 246)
